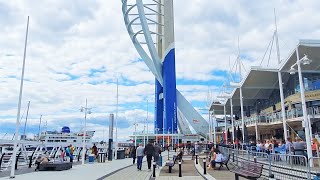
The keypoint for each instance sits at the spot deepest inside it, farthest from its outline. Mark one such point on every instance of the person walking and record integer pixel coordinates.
(149, 152)
(69, 153)
(133, 154)
(139, 154)
(157, 152)
(95, 151)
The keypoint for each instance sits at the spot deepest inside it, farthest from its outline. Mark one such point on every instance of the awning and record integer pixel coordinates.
(260, 82)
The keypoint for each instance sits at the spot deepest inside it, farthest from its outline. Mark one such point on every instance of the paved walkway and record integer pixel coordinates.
(87, 171)
(132, 173)
(188, 171)
(116, 169)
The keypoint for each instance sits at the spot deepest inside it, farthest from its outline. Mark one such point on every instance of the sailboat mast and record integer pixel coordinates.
(25, 123)
(39, 127)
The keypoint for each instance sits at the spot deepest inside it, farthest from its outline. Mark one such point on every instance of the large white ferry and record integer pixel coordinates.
(65, 136)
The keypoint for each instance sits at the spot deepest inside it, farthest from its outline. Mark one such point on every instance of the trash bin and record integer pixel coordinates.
(102, 157)
(120, 154)
(91, 158)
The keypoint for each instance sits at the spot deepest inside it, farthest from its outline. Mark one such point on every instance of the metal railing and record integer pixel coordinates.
(277, 117)
(280, 165)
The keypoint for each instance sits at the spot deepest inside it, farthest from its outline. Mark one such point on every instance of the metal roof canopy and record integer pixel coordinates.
(254, 86)
(260, 82)
(308, 47)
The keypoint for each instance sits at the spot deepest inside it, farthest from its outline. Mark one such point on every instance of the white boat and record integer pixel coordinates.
(65, 136)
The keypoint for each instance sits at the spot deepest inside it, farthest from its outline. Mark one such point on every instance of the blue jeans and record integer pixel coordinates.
(139, 162)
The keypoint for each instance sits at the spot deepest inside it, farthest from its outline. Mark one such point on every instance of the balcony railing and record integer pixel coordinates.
(277, 117)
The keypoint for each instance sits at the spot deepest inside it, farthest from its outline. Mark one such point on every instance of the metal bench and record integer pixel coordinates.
(55, 166)
(248, 170)
(171, 163)
(225, 162)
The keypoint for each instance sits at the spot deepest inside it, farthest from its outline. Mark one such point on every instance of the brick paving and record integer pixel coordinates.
(132, 173)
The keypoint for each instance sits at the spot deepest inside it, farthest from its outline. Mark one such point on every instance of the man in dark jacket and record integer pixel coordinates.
(149, 152)
(157, 152)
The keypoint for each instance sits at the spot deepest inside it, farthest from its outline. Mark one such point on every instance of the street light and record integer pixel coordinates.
(163, 141)
(135, 133)
(157, 129)
(86, 111)
(168, 137)
(144, 134)
(305, 61)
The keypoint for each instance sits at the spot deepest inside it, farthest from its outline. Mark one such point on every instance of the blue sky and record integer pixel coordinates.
(77, 50)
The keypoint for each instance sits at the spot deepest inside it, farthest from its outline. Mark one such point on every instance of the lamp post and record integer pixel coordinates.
(86, 111)
(147, 121)
(231, 114)
(305, 60)
(135, 133)
(210, 128)
(144, 134)
(214, 129)
(168, 137)
(163, 141)
(225, 124)
(157, 129)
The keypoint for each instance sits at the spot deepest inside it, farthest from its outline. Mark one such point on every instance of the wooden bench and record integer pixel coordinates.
(171, 163)
(225, 162)
(248, 170)
(55, 166)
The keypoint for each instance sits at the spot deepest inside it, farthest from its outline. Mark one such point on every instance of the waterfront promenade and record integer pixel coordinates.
(116, 169)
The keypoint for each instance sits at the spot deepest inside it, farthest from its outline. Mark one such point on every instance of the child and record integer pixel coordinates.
(62, 155)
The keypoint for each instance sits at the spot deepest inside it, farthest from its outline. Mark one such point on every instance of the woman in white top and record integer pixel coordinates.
(266, 146)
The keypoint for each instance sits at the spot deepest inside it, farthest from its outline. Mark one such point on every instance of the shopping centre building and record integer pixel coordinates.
(261, 99)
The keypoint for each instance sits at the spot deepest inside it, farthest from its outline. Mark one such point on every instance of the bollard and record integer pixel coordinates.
(255, 159)
(271, 177)
(196, 158)
(154, 169)
(204, 166)
(180, 174)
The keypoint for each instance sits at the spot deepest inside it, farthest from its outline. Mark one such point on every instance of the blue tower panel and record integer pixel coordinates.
(169, 93)
(158, 124)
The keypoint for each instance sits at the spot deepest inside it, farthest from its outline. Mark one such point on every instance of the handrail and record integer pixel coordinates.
(17, 159)
(30, 158)
(1, 159)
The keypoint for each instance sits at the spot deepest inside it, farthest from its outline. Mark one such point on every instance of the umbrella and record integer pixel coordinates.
(239, 134)
(229, 135)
